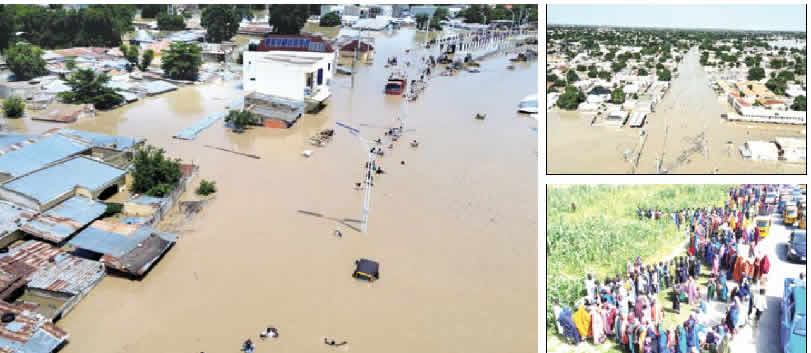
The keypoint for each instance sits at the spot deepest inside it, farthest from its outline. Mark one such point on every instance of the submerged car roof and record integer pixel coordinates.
(367, 266)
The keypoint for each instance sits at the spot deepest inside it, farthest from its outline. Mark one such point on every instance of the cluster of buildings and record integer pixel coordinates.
(641, 92)
(54, 245)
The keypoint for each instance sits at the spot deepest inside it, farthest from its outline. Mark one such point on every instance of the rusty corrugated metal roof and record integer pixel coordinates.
(28, 332)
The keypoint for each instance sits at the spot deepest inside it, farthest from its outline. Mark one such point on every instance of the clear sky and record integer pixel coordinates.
(742, 17)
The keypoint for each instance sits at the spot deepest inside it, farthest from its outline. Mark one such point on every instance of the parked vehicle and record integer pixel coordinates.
(796, 247)
(366, 270)
(789, 215)
(396, 84)
(792, 317)
(763, 224)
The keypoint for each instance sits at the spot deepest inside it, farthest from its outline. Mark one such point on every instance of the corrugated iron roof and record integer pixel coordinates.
(68, 274)
(63, 220)
(46, 184)
(11, 217)
(133, 253)
(120, 143)
(29, 332)
(156, 87)
(149, 200)
(30, 155)
(7, 140)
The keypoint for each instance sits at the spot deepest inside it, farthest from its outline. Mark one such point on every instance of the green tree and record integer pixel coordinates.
(154, 174)
(550, 77)
(617, 96)
(182, 60)
(330, 20)
(663, 75)
(239, 120)
(799, 104)
(167, 22)
(785, 76)
(642, 72)
(130, 53)
(776, 86)
(581, 67)
(604, 75)
(474, 13)
(571, 76)
(571, 98)
(146, 59)
(592, 74)
(13, 107)
(244, 11)
(6, 27)
(220, 21)
(421, 20)
(756, 74)
(206, 187)
(153, 10)
(777, 63)
(70, 64)
(288, 19)
(25, 61)
(617, 66)
(440, 14)
(87, 87)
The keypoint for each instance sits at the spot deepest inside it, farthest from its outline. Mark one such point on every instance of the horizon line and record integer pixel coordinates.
(694, 28)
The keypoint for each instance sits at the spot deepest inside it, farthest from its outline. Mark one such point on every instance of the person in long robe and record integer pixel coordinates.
(642, 332)
(631, 336)
(711, 289)
(622, 305)
(662, 340)
(619, 326)
(691, 291)
(648, 346)
(597, 329)
(676, 301)
(692, 337)
(724, 347)
(681, 345)
(582, 320)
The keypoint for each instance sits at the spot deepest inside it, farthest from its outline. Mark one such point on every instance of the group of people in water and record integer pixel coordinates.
(626, 308)
(271, 332)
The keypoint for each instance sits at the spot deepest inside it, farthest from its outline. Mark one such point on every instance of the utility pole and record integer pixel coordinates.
(370, 170)
(355, 58)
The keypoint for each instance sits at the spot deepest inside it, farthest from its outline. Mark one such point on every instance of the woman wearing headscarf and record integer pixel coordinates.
(631, 335)
(582, 320)
(619, 327)
(642, 332)
(597, 329)
(692, 337)
(681, 340)
(724, 346)
(662, 340)
(676, 301)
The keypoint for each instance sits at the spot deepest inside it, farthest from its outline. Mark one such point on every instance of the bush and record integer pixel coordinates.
(182, 61)
(150, 11)
(14, 107)
(153, 173)
(87, 87)
(240, 119)
(167, 22)
(25, 61)
(330, 20)
(206, 187)
(113, 208)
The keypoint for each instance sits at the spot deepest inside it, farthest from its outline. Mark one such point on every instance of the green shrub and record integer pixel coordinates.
(206, 187)
(113, 208)
(14, 107)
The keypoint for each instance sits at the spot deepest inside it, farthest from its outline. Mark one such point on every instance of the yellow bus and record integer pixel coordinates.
(790, 215)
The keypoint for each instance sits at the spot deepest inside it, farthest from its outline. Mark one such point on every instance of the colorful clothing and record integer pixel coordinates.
(582, 320)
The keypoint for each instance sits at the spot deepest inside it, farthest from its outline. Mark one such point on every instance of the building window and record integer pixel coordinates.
(329, 66)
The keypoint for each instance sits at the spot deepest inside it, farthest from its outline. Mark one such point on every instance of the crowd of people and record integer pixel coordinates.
(724, 242)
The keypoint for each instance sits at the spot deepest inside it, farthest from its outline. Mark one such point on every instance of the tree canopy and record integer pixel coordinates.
(288, 19)
(97, 25)
(571, 98)
(25, 61)
(167, 22)
(87, 87)
(152, 10)
(756, 74)
(182, 61)
(220, 21)
(330, 19)
(617, 96)
(154, 174)
(13, 107)
(799, 104)
(6, 28)
(663, 75)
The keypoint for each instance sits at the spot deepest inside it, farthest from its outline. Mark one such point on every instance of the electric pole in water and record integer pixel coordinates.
(355, 58)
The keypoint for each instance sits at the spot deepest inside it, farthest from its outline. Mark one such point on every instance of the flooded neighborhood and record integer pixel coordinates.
(675, 101)
(335, 162)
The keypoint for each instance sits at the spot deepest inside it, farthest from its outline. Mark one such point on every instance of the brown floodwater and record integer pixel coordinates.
(454, 229)
(685, 122)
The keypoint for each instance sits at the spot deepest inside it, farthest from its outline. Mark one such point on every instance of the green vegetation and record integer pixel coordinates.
(70, 64)
(604, 231)
(617, 96)
(87, 87)
(592, 74)
(604, 75)
(642, 72)
(220, 21)
(440, 14)
(167, 22)
(13, 107)
(570, 98)
(113, 208)
(152, 10)
(777, 86)
(288, 19)
(571, 76)
(240, 119)
(182, 61)
(481, 13)
(421, 20)
(146, 59)
(6, 28)
(663, 75)
(330, 20)
(131, 54)
(206, 187)
(153, 174)
(799, 104)
(756, 74)
(97, 25)
(25, 61)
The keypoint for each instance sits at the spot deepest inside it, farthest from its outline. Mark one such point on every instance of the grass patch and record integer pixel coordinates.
(602, 232)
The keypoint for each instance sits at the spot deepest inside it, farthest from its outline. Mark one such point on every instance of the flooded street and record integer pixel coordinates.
(454, 229)
(685, 122)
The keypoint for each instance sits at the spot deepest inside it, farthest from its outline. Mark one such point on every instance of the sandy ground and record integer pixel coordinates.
(455, 228)
(686, 133)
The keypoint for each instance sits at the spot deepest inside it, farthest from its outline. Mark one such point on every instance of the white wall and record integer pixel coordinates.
(284, 79)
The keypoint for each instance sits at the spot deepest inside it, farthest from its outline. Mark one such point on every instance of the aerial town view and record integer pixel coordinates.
(257, 178)
(677, 268)
(676, 89)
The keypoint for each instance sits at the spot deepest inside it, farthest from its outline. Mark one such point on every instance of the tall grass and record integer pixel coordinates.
(604, 231)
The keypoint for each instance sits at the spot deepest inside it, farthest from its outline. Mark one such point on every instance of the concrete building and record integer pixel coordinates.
(290, 67)
(759, 150)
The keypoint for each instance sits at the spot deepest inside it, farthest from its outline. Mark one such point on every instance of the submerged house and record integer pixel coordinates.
(296, 68)
(273, 111)
(47, 280)
(28, 332)
(63, 220)
(129, 248)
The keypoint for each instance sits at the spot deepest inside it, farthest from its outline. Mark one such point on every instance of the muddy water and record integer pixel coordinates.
(688, 109)
(455, 228)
